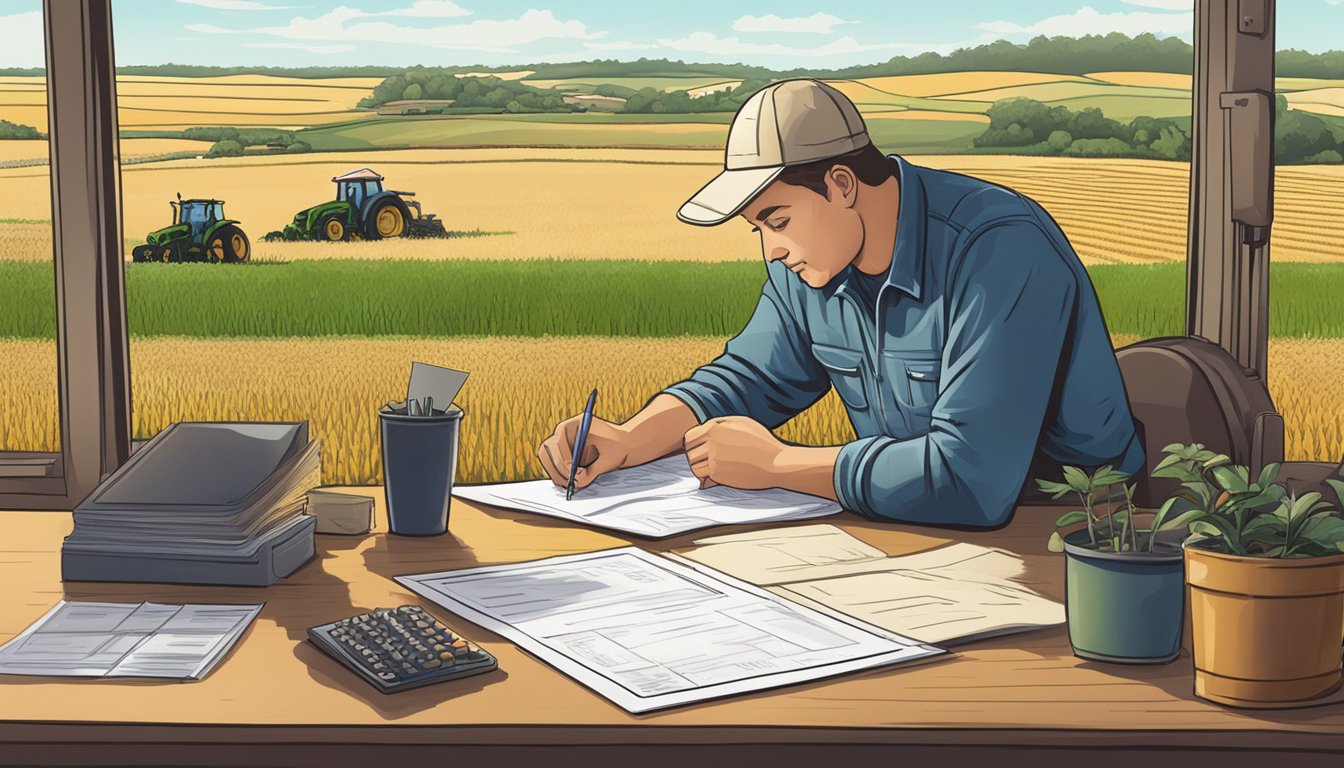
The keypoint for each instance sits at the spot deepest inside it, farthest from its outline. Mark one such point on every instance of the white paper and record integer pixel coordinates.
(76, 639)
(658, 499)
(954, 593)
(647, 632)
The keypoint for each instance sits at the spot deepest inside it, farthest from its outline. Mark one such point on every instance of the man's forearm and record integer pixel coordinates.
(658, 429)
(807, 470)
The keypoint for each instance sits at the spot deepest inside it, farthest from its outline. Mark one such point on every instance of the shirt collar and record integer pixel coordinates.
(907, 256)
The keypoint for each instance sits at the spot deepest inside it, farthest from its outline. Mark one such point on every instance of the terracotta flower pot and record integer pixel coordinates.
(1266, 630)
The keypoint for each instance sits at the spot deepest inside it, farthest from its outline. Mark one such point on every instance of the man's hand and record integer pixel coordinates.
(734, 451)
(605, 449)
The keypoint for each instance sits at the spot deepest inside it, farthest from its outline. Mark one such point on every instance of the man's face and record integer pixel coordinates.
(814, 236)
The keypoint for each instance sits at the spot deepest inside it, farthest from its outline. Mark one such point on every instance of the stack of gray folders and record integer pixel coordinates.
(201, 503)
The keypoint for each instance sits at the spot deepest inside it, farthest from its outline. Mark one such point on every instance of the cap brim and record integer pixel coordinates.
(726, 195)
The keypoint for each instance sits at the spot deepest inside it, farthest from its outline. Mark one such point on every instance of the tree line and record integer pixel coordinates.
(1028, 126)
(488, 93)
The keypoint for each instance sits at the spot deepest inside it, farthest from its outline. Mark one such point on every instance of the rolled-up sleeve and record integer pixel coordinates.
(766, 372)
(1009, 303)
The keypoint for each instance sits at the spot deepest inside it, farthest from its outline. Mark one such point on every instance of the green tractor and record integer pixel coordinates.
(199, 232)
(362, 210)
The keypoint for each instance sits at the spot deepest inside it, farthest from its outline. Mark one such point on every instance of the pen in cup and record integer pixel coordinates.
(579, 440)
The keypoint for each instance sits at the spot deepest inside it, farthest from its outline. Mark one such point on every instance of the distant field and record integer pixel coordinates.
(518, 390)
(608, 203)
(174, 103)
(586, 85)
(165, 103)
(130, 148)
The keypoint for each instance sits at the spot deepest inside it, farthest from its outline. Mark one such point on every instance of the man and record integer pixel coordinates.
(951, 316)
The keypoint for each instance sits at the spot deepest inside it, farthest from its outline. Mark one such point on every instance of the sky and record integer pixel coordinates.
(781, 34)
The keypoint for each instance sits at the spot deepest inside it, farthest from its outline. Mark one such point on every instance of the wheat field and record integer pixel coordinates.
(518, 390)
(576, 204)
(237, 100)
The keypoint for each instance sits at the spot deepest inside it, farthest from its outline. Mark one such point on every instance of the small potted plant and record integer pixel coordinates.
(1266, 575)
(1124, 585)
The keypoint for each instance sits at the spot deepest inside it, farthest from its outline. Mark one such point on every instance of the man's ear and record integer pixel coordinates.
(841, 184)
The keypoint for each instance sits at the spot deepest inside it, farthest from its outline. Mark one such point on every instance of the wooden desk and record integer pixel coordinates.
(277, 700)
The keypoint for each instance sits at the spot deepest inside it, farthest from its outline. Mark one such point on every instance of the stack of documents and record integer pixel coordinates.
(212, 503)
(181, 642)
(648, 632)
(658, 499)
(951, 594)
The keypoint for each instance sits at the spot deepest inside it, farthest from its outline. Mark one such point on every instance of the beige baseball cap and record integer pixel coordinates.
(786, 123)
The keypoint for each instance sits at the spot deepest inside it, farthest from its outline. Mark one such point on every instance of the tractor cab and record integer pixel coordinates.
(358, 188)
(198, 215)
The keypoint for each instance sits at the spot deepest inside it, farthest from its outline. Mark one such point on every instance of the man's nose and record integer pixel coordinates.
(777, 253)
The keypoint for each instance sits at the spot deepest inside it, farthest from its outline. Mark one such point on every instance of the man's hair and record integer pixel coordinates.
(868, 163)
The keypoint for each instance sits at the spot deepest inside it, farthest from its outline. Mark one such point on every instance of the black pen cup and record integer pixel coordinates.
(419, 463)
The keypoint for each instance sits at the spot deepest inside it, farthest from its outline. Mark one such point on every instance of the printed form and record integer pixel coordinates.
(78, 639)
(657, 499)
(647, 632)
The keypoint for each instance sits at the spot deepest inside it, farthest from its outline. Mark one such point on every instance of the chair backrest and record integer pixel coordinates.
(1190, 390)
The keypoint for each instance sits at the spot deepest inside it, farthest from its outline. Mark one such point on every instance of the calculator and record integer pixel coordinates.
(396, 649)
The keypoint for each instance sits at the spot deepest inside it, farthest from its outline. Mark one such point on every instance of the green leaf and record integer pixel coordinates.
(1302, 504)
(1077, 480)
(1326, 531)
(1268, 474)
(1338, 487)
(1201, 492)
(1056, 490)
(1110, 478)
(1275, 551)
(1218, 460)
(1206, 528)
(1230, 479)
(1174, 448)
(1167, 461)
(1056, 543)
(1069, 518)
(1244, 473)
(1182, 520)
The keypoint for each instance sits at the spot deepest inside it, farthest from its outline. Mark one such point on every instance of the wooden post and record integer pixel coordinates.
(93, 359)
(1232, 178)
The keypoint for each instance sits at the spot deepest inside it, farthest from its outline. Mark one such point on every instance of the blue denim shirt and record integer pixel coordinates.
(988, 345)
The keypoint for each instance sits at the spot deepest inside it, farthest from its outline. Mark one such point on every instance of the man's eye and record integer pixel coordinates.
(778, 225)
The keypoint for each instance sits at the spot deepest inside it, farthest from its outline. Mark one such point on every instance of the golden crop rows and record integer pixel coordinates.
(577, 204)
(518, 390)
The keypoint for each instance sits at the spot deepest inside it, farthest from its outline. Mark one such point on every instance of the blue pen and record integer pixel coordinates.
(579, 440)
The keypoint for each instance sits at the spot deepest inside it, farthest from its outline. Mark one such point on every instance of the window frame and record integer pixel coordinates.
(93, 365)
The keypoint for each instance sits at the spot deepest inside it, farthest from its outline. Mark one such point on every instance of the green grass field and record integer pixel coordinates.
(559, 298)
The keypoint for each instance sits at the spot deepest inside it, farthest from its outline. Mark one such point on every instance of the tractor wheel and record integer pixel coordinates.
(168, 253)
(228, 244)
(387, 219)
(332, 229)
(142, 253)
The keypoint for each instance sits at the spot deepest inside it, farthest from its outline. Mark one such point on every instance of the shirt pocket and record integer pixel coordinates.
(845, 367)
(915, 378)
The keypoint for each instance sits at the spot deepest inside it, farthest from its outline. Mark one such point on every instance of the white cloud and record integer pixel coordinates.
(308, 47)
(235, 5)
(25, 42)
(619, 45)
(818, 24)
(344, 24)
(1170, 5)
(709, 43)
(1088, 21)
(429, 9)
